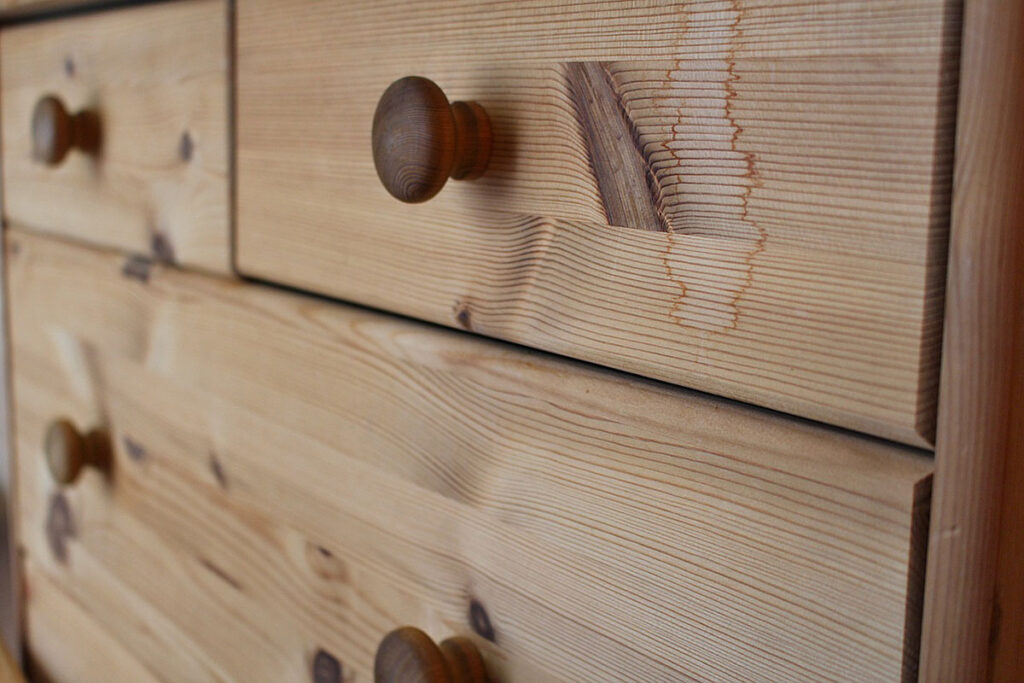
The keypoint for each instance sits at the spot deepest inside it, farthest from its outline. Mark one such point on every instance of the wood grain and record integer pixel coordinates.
(974, 609)
(796, 157)
(626, 183)
(68, 644)
(157, 77)
(293, 477)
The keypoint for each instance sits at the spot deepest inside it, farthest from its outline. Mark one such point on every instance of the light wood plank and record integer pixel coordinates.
(68, 644)
(158, 77)
(163, 606)
(314, 475)
(798, 156)
(974, 610)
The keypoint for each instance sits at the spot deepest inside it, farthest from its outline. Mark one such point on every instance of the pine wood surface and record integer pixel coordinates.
(786, 244)
(157, 76)
(293, 478)
(68, 643)
(974, 610)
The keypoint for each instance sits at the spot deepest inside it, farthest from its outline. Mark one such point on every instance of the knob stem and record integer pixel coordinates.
(472, 140)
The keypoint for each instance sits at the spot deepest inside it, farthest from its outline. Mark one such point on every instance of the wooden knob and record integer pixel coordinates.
(419, 140)
(408, 655)
(68, 451)
(55, 132)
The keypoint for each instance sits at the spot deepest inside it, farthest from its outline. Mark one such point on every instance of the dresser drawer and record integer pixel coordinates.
(115, 129)
(291, 479)
(748, 200)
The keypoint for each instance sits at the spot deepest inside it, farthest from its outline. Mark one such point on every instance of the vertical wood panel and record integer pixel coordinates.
(974, 606)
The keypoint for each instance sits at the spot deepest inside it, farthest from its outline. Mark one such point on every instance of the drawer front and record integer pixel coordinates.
(292, 479)
(152, 85)
(751, 201)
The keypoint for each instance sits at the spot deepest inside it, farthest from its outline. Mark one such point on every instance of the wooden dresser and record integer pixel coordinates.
(455, 341)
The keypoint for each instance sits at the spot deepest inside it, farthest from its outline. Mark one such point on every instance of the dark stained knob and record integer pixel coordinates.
(408, 655)
(420, 140)
(68, 451)
(55, 132)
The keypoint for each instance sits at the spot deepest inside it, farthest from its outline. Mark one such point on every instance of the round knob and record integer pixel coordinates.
(420, 140)
(68, 451)
(408, 655)
(55, 132)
